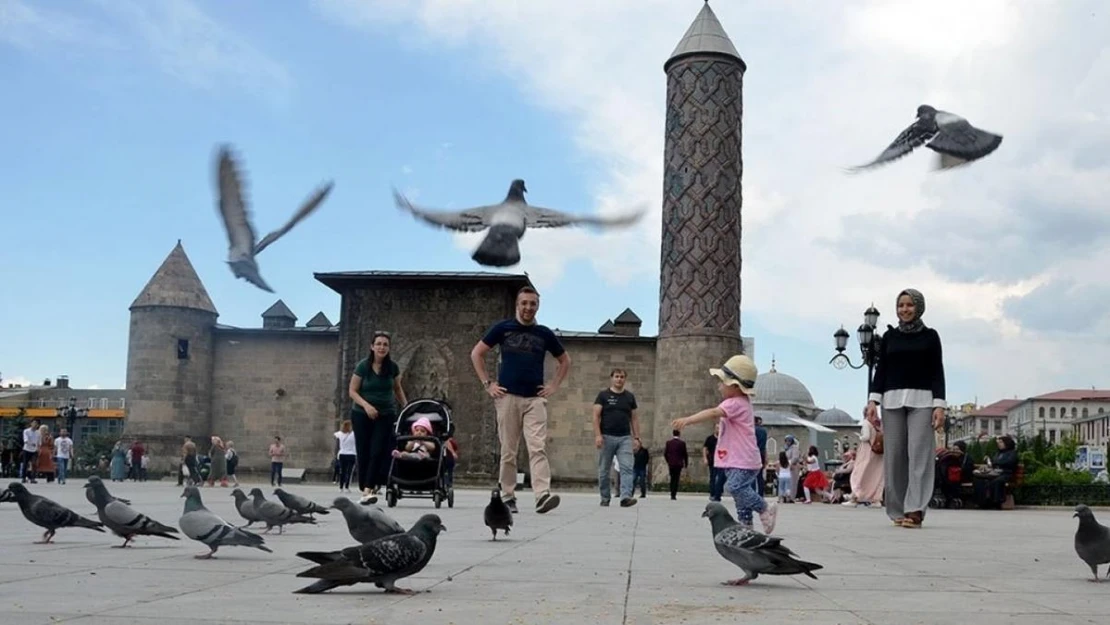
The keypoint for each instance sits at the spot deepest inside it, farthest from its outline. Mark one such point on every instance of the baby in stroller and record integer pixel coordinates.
(418, 450)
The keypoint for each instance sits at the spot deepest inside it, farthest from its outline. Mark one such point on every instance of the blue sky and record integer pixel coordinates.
(119, 107)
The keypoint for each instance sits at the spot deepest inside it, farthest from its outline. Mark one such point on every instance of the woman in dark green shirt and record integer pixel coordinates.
(376, 397)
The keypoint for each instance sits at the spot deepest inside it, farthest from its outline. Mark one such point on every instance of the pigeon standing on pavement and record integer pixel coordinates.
(366, 523)
(245, 507)
(381, 562)
(92, 499)
(497, 514)
(952, 137)
(273, 514)
(203, 525)
(507, 223)
(122, 519)
(296, 503)
(48, 514)
(1092, 540)
(242, 248)
(755, 553)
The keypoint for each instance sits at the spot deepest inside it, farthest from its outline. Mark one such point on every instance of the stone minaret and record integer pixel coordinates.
(699, 283)
(170, 362)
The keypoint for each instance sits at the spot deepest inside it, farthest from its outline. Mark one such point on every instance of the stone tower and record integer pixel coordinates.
(699, 283)
(170, 361)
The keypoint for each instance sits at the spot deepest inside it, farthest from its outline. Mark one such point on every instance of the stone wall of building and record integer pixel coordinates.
(571, 449)
(247, 408)
(168, 397)
(434, 325)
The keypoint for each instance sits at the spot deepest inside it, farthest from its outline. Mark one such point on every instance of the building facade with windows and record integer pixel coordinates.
(96, 411)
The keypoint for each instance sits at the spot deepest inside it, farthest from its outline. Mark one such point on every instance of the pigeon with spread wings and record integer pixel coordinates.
(236, 217)
(507, 223)
(952, 137)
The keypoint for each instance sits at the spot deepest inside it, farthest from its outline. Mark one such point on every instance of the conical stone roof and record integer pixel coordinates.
(175, 284)
(705, 36)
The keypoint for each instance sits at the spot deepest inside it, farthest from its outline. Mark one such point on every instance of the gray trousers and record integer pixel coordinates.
(909, 460)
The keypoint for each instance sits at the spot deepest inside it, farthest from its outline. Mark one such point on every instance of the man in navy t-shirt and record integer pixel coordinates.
(520, 394)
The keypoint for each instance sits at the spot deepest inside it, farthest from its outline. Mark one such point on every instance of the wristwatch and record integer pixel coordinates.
(487, 383)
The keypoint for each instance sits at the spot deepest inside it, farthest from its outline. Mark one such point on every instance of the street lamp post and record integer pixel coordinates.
(870, 345)
(71, 413)
(950, 423)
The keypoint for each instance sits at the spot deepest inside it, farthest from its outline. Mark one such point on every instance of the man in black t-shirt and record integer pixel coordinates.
(616, 425)
(716, 478)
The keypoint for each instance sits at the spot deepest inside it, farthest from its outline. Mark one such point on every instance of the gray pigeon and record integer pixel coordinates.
(955, 141)
(507, 223)
(757, 554)
(47, 513)
(122, 519)
(296, 503)
(1092, 540)
(6, 495)
(203, 525)
(246, 508)
(366, 523)
(382, 561)
(274, 514)
(236, 217)
(497, 514)
(92, 500)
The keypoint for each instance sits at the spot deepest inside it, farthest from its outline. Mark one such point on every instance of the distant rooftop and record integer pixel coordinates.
(279, 309)
(334, 279)
(999, 408)
(705, 36)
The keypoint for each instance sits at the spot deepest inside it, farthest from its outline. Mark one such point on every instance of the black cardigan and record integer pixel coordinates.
(910, 360)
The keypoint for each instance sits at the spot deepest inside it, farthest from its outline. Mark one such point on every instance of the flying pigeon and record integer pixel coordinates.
(296, 503)
(92, 499)
(382, 561)
(497, 514)
(122, 519)
(507, 223)
(757, 554)
(1092, 540)
(203, 525)
(246, 508)
(366, 523)
(47, 513)
(955, 141)
(241, 237)
(273, 513)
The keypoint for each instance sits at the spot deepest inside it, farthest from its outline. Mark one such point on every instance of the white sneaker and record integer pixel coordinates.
(768, 516)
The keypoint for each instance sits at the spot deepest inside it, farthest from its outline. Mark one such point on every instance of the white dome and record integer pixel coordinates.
(779, 389)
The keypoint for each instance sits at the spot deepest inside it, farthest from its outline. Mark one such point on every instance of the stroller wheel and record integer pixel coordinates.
(391, 498)
(437, 499)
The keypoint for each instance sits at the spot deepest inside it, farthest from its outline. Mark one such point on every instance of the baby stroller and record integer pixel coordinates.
(421, 478)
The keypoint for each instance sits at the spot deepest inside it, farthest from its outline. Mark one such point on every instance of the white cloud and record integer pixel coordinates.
(830, 85)
(31, 26)
(16, 380)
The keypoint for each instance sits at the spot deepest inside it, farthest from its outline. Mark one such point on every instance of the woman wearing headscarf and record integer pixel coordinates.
(909, 388)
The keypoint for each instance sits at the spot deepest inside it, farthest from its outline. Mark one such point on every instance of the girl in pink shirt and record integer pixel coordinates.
(737, 453)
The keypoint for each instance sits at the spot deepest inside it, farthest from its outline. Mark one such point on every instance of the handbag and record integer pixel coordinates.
(877, 442)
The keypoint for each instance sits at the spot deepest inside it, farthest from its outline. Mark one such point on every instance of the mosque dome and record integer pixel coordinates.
(779, 389)
(835, 416)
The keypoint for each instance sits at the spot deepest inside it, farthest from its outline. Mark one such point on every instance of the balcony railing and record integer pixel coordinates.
(92, 403)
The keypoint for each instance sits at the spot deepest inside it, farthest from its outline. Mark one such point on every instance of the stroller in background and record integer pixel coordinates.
(421, 479)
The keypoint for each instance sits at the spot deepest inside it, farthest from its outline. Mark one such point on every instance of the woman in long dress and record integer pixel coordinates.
(119, 462)
(867, 478)
(44, 465)
(218, 456)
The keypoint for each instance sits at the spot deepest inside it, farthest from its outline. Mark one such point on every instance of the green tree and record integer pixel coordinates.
(15, 434)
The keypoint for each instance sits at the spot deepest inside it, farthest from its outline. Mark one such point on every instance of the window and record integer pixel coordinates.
(1052, 436)
(983, 425)
(998, 426)
(182, 349)
(1084, 412)
(1041, 412)
(1052, 413)
(1074, 412)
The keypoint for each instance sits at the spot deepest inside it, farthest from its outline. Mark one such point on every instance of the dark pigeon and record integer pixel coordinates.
(6, 496)
(1092, 540)
(952, 137)
(296, 503)
(122, 519)
(381, 562)
(366, 523)
(245, 507)
(237, 222)
(497, 514)
(507, 223)
(755, 553)
(203, 525)
(274, 514)
(48, 514)
(92, 500)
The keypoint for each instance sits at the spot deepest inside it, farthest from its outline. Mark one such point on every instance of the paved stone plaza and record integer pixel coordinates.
(653, 563)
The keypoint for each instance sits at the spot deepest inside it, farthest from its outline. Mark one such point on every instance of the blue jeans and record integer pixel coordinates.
(639, 476)
(61, 462)
(275, 472)
(738, 483)
(621, 447)
(784, 487)
(716, 483)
